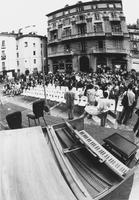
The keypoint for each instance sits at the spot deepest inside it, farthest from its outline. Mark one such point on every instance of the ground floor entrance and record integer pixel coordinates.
(88, 63)
(84, 64)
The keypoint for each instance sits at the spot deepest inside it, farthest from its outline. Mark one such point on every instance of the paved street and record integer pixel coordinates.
(11, 104)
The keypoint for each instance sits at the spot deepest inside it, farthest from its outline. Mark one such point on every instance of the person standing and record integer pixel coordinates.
(103, 108)
(69, 97)
(129, 100)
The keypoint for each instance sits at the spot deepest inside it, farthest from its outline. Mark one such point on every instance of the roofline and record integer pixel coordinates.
(19, 36)
(8, 34)
(84, 3)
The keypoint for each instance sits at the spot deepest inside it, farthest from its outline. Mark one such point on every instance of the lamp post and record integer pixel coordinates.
(43, 71)
(46, 108)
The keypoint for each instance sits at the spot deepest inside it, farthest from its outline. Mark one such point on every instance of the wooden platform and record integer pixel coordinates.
(27, 168)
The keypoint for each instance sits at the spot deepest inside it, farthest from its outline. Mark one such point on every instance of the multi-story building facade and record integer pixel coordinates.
(21, 52)
(8, 52)
(31, 52)
(86, 35)
(134, 45)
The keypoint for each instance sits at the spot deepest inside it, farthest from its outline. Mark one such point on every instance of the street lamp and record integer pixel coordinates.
(46, 108)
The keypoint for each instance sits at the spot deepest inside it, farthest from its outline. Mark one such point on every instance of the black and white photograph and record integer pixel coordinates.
(69, 100)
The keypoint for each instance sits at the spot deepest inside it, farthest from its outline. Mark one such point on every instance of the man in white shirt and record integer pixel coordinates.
(103, 108)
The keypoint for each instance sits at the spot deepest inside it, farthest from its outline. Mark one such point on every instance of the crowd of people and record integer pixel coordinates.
(105, 85)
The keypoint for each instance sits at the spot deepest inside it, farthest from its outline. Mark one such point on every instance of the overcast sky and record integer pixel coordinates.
(20, 13)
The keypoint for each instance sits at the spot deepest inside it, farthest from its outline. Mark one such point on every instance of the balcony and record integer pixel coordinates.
(77, 36)
(109, 50)
(53, 28)
(60, 53)
(78, 22)
(114, 18)
(99, 33)
(117, 33)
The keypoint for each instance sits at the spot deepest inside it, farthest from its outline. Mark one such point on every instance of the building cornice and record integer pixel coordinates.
(83, 3)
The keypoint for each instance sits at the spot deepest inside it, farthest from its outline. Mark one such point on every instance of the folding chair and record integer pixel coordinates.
(14, 120)
(38, 111)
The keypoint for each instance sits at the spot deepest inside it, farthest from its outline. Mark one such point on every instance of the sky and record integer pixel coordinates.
(15, 14)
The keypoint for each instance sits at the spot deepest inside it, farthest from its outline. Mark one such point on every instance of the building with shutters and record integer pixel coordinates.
(31, 52)
(88, 35)
(8, 61)
(22, 51)
(134, 45)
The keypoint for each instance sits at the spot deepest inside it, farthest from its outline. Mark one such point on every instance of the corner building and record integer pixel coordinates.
(86, 36)
(134, 45)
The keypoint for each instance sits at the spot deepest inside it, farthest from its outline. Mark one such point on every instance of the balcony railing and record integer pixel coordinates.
(109, 50)
(86, 35)
(53, 28)
(81, 21)
(117, 33)
(114, 18)
(60, 53)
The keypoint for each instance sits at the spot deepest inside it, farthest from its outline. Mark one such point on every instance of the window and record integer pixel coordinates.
(18, 65)
(135, 46)
(100, 44)
(83, 46)
(113, 15)
(66, 12)
(102, 5)
(67, 32)
(26, 44)
(94, 6)
(3, 55)
(34, 44)
(66, 22)
(3, 66)
(88, 7)
(34, 61)
(67, 48)
(16, 47)
(3, 43)
(97, 16)
(82, 17)
(54, 35)
(59, 14)
(80, 8)
(118, 44)
(116, 27)
(118, 5)
(111, 5)
(34, 53)
(17, 55)
(98, 28)
(54, 24)
(53, 49)
(82, 29)
(41, 45)
(73, 10)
